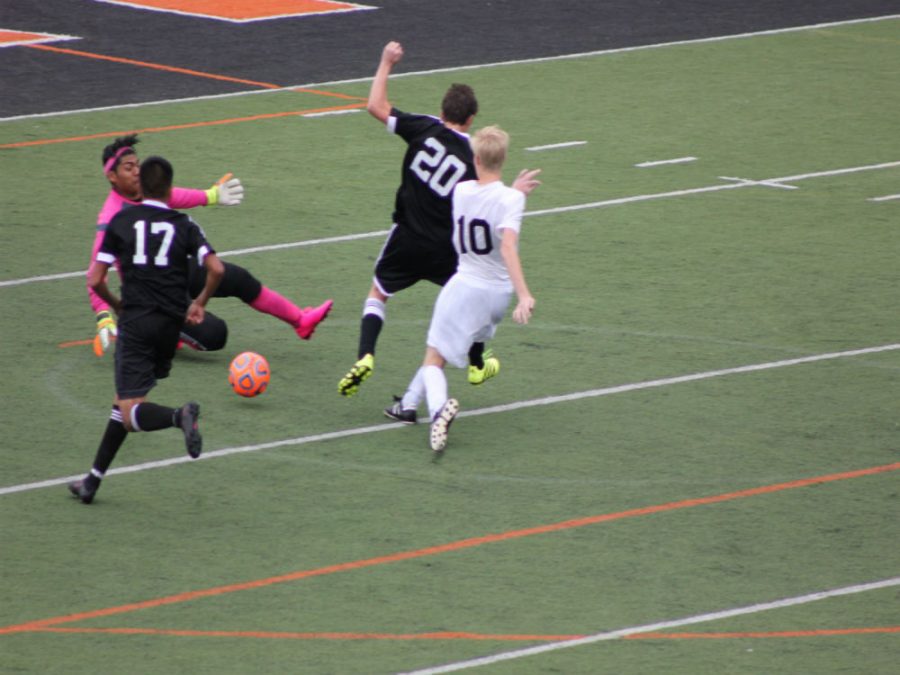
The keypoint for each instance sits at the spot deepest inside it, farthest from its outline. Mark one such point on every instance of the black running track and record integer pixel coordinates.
(323, 48)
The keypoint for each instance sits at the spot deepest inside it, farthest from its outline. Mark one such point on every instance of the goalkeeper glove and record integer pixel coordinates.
(106, 330)
(227, 191)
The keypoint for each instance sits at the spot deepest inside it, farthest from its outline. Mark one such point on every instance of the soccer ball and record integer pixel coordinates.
(248, 374)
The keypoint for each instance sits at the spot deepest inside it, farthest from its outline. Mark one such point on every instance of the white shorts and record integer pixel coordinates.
(465, 313)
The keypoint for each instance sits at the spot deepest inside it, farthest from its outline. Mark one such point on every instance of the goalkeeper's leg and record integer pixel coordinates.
(208, 336)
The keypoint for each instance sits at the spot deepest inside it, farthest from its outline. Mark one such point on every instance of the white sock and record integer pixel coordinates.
(414, 393)
(374, 306)
(435, 388)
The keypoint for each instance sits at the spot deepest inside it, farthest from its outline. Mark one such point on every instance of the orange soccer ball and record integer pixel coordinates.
(248, 374)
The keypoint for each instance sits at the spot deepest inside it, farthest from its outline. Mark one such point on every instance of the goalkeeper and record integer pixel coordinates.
(121, 167)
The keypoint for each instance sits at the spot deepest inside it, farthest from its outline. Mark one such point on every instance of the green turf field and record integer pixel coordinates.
(592, 490)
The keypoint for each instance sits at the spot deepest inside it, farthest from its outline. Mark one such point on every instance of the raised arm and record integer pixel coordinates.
(379, 106)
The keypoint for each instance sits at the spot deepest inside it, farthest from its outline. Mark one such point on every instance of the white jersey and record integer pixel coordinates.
(472, 304)
(480, 213)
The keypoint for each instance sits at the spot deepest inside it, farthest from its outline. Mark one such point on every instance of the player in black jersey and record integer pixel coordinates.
(419, 245)
(153, 246)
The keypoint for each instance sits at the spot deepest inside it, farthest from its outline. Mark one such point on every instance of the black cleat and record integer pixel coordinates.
(398, 413)
(81, 491)
(193, 441)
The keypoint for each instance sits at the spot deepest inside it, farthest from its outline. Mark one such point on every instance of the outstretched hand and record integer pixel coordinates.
(526, 181)
(229, 190)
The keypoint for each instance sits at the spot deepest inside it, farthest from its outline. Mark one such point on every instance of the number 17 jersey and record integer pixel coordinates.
(436, 159)
(153, 245)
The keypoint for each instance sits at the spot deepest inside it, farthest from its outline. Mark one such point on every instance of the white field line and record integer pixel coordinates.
(886, 198)
(661, 162)
(518, 405)
(556, 146)
(238, 251)
(661, 625)
(332, 113)
(561, 57)
(738, 183)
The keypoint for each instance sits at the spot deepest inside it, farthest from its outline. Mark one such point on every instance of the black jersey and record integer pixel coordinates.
(153, 245)
(436, 159)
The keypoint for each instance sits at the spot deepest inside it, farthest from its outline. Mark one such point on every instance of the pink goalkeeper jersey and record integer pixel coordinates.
(182, 198)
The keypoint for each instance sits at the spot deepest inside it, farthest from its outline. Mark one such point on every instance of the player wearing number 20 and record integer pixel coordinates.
(418, 247)
(487, 219)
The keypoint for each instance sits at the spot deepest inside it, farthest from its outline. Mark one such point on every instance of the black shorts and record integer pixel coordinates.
(406, 259)
(144, 351)
(237, 282)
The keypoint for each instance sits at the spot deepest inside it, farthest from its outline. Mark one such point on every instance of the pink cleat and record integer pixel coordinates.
(312, 317)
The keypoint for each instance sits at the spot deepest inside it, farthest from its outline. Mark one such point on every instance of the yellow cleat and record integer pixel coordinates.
(491, 367)
(358, 374)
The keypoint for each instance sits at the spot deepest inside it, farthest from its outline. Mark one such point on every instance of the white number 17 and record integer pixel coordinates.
(161, 259)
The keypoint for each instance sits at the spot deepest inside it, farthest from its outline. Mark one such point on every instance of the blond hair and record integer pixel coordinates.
(490, 145)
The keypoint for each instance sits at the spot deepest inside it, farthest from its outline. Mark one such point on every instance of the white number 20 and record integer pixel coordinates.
(440, 171)
(161, 259)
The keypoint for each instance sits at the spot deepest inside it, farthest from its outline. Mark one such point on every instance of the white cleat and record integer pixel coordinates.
(441, 423)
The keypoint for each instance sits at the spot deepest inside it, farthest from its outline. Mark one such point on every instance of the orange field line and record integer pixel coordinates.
(446, 548)
(330, 635)
(188, 125)
(75, 343)
(768, 634)
(187, 71)
(155, 66)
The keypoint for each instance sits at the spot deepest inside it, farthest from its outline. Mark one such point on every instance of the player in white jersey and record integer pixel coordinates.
(487, 217)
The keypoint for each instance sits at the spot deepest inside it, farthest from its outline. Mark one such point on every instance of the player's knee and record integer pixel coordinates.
(239, 283)
(209, 336)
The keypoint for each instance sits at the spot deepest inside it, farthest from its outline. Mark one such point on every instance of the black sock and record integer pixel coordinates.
(112, 440)
(152, 416)
(476, 354)
(369, 329)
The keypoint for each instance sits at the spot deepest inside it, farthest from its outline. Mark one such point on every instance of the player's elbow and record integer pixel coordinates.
(214, 267)
(379, 109)
(95, 277)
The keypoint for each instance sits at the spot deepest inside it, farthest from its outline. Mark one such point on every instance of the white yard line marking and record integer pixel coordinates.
(238, 251)
(308, 242)
(765, 183)
(886, 198)
(714, 188)
(661, 162)
(740, 183)
(554, 146)
(661, 625)
(561, 57)
(331, 113)
(548, 400)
